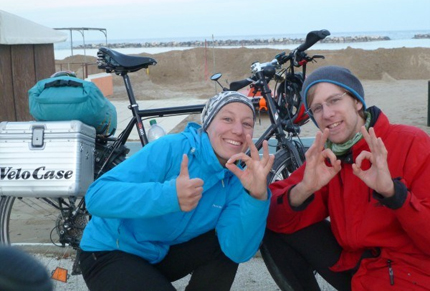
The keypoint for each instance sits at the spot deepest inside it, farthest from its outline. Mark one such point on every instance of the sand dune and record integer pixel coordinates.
(396, 80)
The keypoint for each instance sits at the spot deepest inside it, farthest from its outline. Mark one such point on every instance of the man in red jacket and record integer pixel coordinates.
(358, 210)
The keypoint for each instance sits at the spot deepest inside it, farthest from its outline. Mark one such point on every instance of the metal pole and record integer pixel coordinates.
(85, 49)
(428, 105)
(213, 56)
(71, 42)
(213, 53)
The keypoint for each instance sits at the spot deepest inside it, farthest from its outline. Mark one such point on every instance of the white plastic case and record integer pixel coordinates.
(46, 159)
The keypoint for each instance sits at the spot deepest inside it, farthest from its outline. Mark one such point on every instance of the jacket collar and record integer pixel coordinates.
(201, 149)
(379, 122)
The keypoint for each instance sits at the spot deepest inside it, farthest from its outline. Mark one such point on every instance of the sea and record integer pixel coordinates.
(398, 39)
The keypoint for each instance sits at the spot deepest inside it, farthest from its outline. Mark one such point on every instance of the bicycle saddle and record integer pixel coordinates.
(113, 61)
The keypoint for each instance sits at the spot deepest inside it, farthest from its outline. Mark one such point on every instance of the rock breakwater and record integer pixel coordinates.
(233, 43)
(424, 35)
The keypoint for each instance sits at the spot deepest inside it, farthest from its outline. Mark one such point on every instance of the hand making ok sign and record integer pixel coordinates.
(254, 176)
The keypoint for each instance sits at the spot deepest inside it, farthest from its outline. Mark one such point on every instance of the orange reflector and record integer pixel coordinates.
(262, 104)
(60, 274)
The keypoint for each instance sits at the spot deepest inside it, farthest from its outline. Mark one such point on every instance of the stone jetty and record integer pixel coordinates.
(233, 43)
(419, 36)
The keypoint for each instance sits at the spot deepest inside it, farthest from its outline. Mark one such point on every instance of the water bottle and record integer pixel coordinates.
(155, 131)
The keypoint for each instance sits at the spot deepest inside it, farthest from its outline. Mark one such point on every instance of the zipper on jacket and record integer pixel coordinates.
(222, 182)
(390, 272)
(119, 233)
(340, 180)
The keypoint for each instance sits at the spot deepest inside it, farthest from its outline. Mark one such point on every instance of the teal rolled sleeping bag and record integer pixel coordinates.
(69, 98)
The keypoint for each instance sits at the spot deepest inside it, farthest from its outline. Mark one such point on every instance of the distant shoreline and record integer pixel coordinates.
(239, 43)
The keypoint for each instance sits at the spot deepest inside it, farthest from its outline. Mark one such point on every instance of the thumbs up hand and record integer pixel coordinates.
(189, 191)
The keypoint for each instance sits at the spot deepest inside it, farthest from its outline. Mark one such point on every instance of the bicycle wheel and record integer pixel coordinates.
(48, 228)
(285, 162)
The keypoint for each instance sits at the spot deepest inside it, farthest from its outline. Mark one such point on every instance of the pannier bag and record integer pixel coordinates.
(68, 98)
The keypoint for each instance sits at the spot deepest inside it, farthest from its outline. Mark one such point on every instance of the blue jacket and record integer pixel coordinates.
(135, 207)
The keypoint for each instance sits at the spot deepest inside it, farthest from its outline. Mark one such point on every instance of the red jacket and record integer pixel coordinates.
(361, 219)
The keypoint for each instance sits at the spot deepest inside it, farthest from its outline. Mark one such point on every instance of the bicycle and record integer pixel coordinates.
(288, 103)
(60, 221)
(285, 108)
(34, 223)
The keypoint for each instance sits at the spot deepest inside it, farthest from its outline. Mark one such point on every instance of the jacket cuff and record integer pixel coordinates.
(398, 199)
(302, 206)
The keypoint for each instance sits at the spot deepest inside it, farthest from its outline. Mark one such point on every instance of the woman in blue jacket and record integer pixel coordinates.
(181, 206)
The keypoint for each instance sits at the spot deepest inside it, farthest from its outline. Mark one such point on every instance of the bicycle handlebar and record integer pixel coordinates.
(237, 85)
(312, 38)
(297, 57)
(298, 53)
(268, 69)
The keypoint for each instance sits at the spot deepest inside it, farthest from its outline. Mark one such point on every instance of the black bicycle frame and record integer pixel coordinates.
(139, 114)
(275, 128)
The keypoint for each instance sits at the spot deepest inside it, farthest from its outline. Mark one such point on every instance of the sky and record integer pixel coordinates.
(164, 19)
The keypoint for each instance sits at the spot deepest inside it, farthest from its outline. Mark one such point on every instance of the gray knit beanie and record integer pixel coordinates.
(336, 75)
(214, 105)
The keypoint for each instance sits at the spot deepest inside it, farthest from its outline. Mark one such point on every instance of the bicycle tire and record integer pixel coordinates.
(285, 160)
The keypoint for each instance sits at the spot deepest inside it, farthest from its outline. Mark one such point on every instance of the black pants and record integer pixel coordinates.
(201, 256)
(311, 249)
